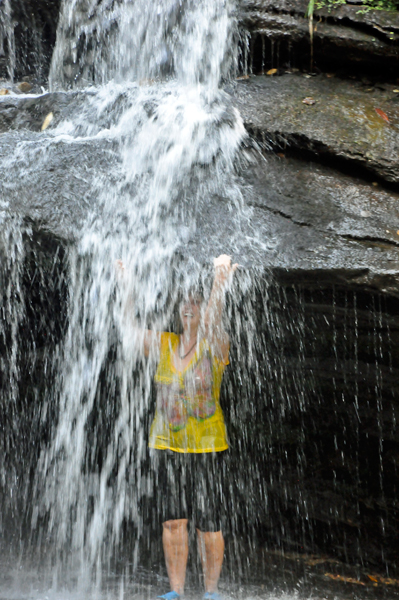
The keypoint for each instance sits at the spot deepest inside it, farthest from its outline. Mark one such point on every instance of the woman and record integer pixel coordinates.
(188, 435)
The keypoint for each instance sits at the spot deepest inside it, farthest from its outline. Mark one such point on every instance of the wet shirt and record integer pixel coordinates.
(188, 416)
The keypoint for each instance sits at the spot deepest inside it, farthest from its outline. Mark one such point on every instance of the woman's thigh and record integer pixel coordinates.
(172, 488)
(208, 498)
(190, 486)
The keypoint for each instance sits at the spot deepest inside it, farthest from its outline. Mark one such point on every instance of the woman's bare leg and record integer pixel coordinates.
(211, 549)
(175, 547)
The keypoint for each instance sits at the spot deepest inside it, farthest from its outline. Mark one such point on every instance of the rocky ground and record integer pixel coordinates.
(272, 574)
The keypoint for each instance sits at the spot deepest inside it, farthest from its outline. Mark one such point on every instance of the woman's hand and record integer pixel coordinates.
(223, 266)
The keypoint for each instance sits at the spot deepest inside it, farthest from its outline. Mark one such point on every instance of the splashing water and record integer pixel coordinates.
(173, 141)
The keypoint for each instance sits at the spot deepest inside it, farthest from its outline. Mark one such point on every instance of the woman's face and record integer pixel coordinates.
(190, 313)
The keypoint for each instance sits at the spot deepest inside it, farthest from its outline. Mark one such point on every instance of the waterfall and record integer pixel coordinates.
(144, 156)
(7, 41)
(12, 316)
(132, 41)
(172, 143)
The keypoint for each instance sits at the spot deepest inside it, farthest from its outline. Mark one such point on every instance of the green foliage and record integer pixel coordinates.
(367, 6)
(310, 9)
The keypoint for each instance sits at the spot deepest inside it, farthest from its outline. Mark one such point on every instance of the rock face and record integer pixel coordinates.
(343, 38)
(311, 416)
(311, 216)
(353, 122)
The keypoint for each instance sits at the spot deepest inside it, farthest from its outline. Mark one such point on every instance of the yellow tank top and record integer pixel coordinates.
(188, 416)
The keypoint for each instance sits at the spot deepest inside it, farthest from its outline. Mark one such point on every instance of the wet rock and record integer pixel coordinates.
(317, 412)
(30, 113)
(315, 225)
(346, 122)
(4, 92)
(55, 197)
(25, 87)
(343, 38)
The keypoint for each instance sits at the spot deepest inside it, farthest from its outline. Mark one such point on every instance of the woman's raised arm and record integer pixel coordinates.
(214, 330)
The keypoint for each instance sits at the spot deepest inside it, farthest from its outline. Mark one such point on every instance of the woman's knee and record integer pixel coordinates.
(209, 535)
(175, 525)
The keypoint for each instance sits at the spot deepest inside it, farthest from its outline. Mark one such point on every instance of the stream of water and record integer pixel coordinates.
(142, 223)
(7, 43)
(175, 142)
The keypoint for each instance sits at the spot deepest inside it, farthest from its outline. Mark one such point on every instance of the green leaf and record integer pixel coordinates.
(310, 9)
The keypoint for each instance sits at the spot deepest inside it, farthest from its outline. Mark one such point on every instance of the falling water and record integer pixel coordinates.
(174, 138)
(7, 41)
(135, 41)
(12, 315)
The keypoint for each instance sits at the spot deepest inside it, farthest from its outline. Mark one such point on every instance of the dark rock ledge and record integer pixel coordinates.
(342, 36)
(309, 218)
